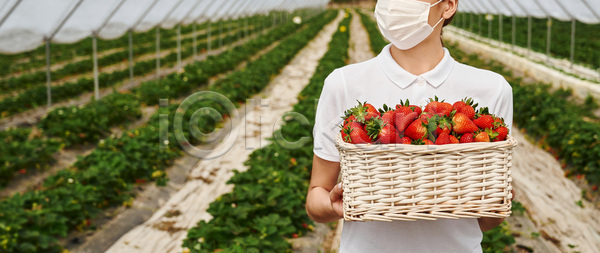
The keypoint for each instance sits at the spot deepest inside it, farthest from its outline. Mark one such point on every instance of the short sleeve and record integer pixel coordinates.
(328, 118)
(504, 104)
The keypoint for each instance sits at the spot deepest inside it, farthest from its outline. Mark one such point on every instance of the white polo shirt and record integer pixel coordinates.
(382, 81)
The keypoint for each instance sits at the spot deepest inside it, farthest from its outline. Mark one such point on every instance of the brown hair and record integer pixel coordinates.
(447, 22)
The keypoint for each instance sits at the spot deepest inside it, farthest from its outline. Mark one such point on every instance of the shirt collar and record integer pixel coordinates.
(403, 78)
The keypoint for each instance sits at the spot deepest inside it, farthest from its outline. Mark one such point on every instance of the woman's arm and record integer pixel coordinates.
(487, 223)
(324, 198)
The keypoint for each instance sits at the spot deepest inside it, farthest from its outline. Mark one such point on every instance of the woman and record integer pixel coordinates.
(417, 67)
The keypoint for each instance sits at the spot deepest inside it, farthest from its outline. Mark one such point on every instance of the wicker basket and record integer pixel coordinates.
(425, 182)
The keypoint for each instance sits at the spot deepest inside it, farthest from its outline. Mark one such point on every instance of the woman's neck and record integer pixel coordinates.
(421, 58)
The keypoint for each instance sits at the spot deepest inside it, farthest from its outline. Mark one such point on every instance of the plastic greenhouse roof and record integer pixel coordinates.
(27, 24)
(586, 11)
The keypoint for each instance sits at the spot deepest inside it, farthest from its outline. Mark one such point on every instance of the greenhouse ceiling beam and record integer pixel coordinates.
(64, 21)
(143, 15)
(158, 36)
(110, 15)
(549, 32)
(169, 13)
(518, 3)
(95, 48)
(186, 16)
(10, 12)
(596, 14)
(48, 39)
(573, 27)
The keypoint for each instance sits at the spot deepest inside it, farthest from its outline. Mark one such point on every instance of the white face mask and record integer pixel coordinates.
(404, 22)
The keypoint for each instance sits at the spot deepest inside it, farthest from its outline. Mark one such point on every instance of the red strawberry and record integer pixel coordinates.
(357, 133)
(482, 137)
(405, 140)
(453, 139)
(467, 138)
(425, 116)
(416, 130)
(502, 133)
(428, 142)
(443, 126)
(462, 124)
(442, 139)
(362, 112)
(404, 107)
(349, 119)
(401, 120)
(387, 114)
(484, 121)
(458, 104)
(439, 108)
(465, 106)
(415, 109)
(345, 133)
(388, 117)
(371, 111)
(381, 132)
(498, 122)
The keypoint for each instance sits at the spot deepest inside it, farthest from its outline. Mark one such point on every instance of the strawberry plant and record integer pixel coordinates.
(91, 122)
(23, 152)
(267, 202)
(587, 40)
(32, 221)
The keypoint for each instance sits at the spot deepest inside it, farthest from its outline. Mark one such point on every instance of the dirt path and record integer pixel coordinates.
(550, 199)
(164, 232)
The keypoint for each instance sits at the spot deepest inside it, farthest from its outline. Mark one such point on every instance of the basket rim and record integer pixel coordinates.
(510, 142)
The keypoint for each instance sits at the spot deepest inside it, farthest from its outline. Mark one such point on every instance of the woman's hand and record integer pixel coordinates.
(324, 197)
(337, 202)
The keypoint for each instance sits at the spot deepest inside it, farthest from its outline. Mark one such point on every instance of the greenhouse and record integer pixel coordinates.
(299, 126)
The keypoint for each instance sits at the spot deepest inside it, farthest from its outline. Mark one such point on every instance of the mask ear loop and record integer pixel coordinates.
(436, 24)
(435, 3)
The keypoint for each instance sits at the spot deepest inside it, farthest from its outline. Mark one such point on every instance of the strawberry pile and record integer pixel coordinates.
(438, 124)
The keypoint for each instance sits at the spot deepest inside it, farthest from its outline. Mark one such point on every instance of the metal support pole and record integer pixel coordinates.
(48, 76)
(490, 29)
(549, 37)
(479, 25)
(514, 31)
(178, 47)
(238, 25)
(131, 56)
(195, 48)
(573, 26)
(157, 52)
(209, 37)
(500, 30)
(95, 59)
(529, 33)
(471, 22)
(220, 33)
(246, 31)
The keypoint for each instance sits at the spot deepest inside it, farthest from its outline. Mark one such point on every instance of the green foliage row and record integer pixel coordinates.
(33, 221)
(267, 202)
(35, 79)
(23, 151)
(72, 125)
(37, 96)
(24, 62)
(377, 41)
(587, 39)
(565, 127)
